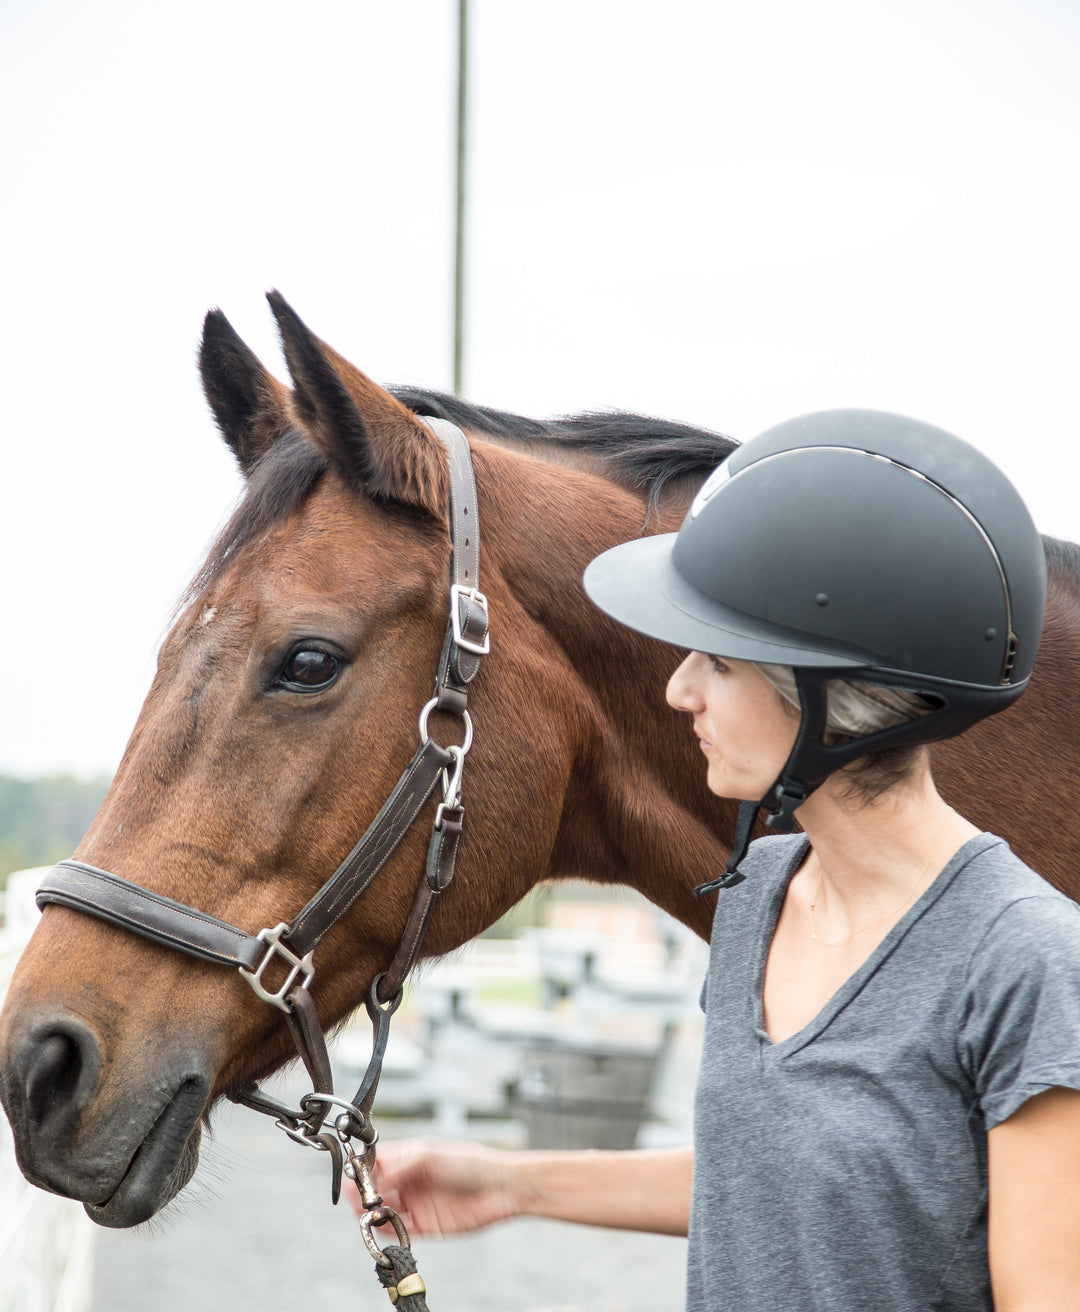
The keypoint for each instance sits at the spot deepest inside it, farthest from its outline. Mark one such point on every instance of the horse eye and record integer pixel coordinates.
(310, 668)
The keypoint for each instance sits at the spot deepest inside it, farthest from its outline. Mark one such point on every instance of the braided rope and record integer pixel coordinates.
(401, 1280)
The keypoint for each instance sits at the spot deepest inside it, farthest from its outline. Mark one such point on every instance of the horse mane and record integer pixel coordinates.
(1063, 563)
(635, 451)
(638, 452)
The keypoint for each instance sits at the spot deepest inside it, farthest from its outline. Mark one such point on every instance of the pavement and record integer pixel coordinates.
(256, 1229)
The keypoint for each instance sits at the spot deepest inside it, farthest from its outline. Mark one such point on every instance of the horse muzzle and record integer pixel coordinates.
(123, 1157)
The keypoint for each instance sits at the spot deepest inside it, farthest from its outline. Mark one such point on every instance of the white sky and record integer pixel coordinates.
(722, 213)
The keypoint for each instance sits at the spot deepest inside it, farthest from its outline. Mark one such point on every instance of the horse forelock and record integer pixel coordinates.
(282, 479)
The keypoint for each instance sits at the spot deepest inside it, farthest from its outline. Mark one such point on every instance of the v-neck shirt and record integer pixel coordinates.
(844, 1167)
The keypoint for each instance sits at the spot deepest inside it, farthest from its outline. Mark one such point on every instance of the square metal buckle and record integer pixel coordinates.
(476, 598)
(297, 966)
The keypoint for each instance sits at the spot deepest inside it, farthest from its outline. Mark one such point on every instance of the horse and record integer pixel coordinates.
(285, 703)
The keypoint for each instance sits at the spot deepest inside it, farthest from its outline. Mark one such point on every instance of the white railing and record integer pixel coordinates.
(46, 1242)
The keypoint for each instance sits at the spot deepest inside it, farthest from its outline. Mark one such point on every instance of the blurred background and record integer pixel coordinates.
(722, 213)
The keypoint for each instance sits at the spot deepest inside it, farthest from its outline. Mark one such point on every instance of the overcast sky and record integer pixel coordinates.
(722, 213)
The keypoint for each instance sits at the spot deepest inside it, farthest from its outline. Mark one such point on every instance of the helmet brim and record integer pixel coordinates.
(637, 584)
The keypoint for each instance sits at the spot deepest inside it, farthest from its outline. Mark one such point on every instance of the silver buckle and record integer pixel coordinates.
(297, 966)
(474, 595)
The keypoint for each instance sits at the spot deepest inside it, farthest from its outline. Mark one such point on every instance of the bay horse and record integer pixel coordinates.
(285, 704)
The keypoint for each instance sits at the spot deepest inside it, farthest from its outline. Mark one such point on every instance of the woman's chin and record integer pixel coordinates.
(721, 782)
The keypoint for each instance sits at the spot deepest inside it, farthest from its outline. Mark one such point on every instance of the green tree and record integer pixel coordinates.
(41, 820)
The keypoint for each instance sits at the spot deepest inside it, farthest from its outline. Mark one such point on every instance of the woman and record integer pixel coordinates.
(887, 1114)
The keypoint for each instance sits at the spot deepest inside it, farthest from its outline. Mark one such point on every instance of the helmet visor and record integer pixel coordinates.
(638, 584)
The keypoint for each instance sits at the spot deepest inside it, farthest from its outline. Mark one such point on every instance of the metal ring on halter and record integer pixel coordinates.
(350, 1112)
(428, 708)
(380, 1216)
(391, 1004)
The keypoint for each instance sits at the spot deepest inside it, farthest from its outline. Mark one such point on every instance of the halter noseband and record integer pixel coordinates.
(98, 893)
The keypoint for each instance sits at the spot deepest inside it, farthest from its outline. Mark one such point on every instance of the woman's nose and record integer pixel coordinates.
(684, 686)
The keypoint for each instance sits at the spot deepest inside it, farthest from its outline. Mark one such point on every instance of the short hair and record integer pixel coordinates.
(854, 710)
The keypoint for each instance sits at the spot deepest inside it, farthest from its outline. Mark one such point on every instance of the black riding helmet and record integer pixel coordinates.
(854, 545)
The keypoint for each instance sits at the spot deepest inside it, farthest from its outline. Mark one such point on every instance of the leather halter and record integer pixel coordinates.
(98, 893)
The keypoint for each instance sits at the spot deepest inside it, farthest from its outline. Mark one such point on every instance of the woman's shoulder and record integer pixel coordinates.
(1011, 905)
(990, 867)
(1020, 998)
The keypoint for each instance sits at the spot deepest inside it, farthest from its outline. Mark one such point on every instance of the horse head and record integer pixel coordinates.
(283, 709)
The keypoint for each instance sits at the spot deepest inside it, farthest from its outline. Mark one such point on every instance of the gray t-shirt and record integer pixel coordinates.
(844, 1169)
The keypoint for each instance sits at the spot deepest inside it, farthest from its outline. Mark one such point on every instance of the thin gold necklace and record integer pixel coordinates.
(840, 942)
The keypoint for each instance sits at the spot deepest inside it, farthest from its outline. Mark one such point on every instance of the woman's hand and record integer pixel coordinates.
(444, 1188)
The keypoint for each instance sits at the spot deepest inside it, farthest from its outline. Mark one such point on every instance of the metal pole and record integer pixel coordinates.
(459, 212)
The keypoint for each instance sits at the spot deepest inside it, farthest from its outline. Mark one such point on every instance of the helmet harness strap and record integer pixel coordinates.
(813, 760)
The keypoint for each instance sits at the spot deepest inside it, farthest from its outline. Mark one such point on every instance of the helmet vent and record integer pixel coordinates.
(1011, 651)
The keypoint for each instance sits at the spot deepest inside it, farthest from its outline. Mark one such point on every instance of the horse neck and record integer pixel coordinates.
(636, 809)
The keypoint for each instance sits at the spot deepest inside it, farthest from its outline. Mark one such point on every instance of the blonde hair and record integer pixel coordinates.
(854, 710)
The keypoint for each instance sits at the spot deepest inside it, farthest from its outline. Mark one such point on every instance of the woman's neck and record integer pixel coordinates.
(866, 858)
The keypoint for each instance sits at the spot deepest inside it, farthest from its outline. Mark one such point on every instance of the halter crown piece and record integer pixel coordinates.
(292, 944)
(849, 545)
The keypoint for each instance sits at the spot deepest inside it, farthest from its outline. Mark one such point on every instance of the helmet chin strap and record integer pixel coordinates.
(812, 760)
(788, 791)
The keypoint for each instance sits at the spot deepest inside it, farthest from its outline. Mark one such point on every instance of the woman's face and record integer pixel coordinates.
(745, 730)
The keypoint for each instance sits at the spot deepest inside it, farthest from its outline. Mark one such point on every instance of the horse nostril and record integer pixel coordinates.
(52, 1077)
(61, 1071)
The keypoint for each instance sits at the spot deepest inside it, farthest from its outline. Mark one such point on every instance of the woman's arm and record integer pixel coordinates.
(1034, 1161)
(446, 1188)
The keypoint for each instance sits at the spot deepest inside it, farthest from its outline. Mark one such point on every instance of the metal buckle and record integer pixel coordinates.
(451, 789)
(451, 783)
(297, 966)
(477, 598)
(444, 809)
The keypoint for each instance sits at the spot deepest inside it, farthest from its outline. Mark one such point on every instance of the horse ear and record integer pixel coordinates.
(249, 404)
(376, 443)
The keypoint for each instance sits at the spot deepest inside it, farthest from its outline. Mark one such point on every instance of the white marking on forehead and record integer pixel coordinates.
(208, 613)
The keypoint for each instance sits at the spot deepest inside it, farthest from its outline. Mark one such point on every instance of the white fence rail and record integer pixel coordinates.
(46, 1242)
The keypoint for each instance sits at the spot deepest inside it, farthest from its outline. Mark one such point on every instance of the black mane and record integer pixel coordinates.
(635, 451)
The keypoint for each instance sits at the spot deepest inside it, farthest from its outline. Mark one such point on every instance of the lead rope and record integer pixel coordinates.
(401, 1280)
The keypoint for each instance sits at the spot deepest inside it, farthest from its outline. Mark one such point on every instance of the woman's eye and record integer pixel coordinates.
(310, 668)
(718, 665)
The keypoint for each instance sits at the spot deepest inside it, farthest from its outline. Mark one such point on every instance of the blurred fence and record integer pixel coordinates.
(46, 1242)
